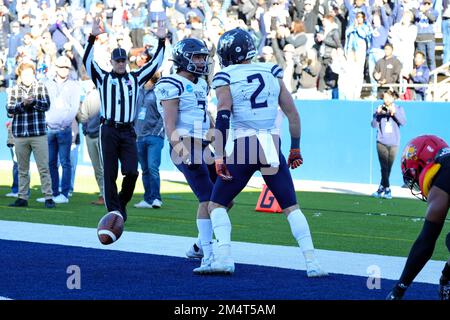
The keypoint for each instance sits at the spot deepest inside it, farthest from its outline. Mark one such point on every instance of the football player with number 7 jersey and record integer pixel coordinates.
(248, 97)
(182, 102)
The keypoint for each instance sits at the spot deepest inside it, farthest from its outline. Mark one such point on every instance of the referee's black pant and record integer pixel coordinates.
(119, 144)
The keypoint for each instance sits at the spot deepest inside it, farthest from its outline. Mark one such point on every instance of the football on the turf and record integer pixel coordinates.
(110, 227)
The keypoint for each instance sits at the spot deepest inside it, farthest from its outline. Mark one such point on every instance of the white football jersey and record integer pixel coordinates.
(255, 91)
(193, 119)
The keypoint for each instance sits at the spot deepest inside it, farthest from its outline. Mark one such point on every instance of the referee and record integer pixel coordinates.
(118, 94)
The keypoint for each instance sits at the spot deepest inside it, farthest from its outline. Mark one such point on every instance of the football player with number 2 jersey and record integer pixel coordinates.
(248, 98)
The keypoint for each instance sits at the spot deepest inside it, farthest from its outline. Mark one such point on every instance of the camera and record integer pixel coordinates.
(384, 109)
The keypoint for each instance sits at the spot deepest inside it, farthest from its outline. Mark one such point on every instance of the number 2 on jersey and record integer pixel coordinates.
(258, 90)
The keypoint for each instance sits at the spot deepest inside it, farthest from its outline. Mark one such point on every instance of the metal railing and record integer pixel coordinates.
(440, 91)
(435, 90)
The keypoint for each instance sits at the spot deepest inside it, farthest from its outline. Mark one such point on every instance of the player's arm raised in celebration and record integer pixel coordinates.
(224, 105)
(287, 105)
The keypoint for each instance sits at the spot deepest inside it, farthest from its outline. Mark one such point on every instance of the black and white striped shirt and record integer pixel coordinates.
(118, 94)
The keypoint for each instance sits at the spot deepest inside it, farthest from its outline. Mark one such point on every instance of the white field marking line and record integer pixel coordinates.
(4, 298)
(347, 263)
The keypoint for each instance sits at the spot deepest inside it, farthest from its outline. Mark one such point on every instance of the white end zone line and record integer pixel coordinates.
(4, 298)
(348, 263)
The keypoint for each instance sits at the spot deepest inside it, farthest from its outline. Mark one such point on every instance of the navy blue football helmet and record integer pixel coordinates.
(235, 46)
(183, 53)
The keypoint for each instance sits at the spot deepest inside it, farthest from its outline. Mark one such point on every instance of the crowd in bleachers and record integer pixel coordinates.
(327, 48)
(320, 43)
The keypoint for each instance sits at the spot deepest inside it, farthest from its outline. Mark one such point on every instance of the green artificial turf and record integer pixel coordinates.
(342, 222)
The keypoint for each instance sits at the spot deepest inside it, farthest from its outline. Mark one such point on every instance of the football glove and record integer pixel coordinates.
(222, 171)
(295, 159)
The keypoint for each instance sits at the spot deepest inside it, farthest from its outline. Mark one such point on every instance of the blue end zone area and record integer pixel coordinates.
(38, 271)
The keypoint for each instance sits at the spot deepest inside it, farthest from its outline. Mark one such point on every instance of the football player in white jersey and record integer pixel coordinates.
(182, 101)
(249, 95)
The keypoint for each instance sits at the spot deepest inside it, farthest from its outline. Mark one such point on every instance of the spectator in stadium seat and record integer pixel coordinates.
(329, 41)
(387, 70)
(157, 10)
(47, 54)
(341, 66)
(387, 119)
(280, 12)
(425, 18)
(307, 11)
(380, 25)
(27, 102)
(191, 9)
(387, 6)
(267, 55)
(446, 31)
(420, 75)
(248, 9)
(297, 36)
(402, 35)
(288, 67)
(28, 50)
(308, 70)
(357, 43)
(56, 30)
(137, 17)
(14, 42)
(354, 7)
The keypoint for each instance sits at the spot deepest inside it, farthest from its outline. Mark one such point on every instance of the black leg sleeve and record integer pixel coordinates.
(421, 251)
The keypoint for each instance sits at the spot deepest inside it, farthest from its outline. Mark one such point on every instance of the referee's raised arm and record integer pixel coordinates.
(147, 71)
(92, 68)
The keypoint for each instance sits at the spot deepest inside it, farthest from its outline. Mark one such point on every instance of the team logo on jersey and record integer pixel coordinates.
(411, 153)
(163, 92)
(189, 88)
(200, 95)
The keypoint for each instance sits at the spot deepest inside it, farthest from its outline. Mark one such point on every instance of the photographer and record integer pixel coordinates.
(387, 119)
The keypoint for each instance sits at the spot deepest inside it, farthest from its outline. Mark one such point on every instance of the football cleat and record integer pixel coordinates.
(394, 296)
(205, 266)
(194, 252)
(444, 291)
(222, 264)
(387, 194)
(397, 292)
(314, 270)
(378, 193)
